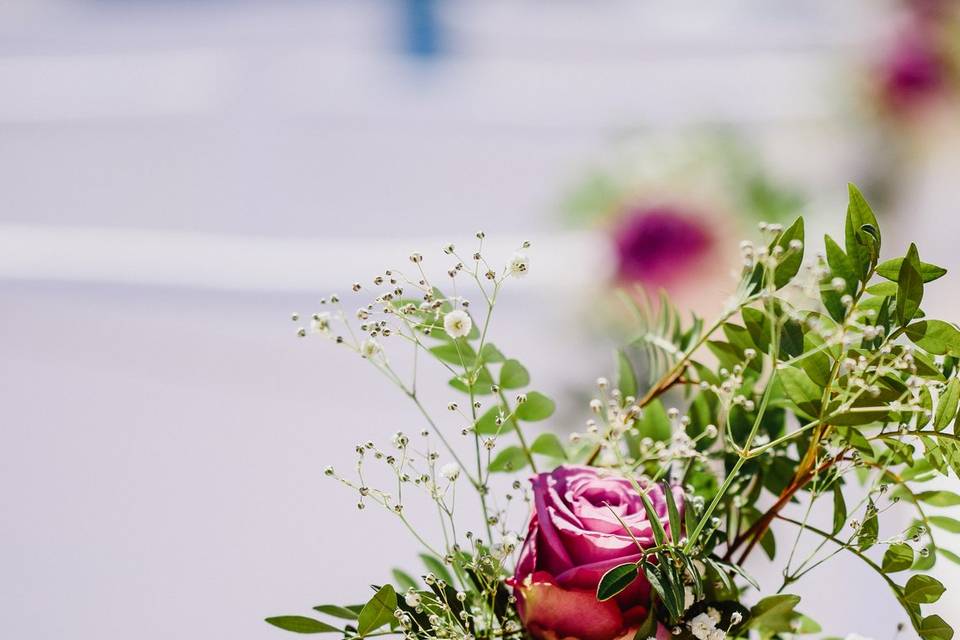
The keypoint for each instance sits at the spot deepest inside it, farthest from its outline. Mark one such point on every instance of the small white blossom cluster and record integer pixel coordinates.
(705, 626)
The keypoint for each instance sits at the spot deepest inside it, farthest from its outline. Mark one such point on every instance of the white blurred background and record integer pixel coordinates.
(177, 177)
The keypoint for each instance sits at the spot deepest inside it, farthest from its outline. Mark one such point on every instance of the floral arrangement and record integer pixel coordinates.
(819, 385)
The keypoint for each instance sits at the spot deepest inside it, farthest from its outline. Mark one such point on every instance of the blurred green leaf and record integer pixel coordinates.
(537, 407)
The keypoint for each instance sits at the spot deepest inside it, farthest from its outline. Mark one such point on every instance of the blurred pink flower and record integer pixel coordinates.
(660, 244)
(914, 72)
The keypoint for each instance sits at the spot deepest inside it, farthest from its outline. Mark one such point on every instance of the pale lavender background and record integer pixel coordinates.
(163, 437)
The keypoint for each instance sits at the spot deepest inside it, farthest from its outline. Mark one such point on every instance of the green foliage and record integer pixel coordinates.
(378, 611)
(511, 458)
(536, 407)
(616, 580)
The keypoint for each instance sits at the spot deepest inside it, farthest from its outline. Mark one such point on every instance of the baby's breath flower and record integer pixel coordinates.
(457, 324)
(450, 471)
(320, 322)
(369, 348)
(519, 264)
(412, 598)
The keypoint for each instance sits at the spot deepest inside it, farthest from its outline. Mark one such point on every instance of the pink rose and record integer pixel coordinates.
(573, 540)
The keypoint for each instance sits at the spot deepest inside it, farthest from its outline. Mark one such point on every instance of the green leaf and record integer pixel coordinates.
(482, 383)
(616, 580)
(891, 270)
(922, 589)
(949, 555)
(626, 378)
(654, 422)
(548, 444)
(436, 567)
(860, 215)
(909, 286)
(869, 529)
(378, 611)
(801, 390)
(404, 580)
(939, 498)
(672, 512)
(487, 423)
(839, 509)
(947, 405)
(898, 557)
(648, 628)
(336, 611)
(882, 289)
(774, 613)
(758, 325)
(946, 523)
(537, 407)
(458, 352)
(934, 628)
(793, 259)
(301, 624)
(513, 375)
(510, 459)
(840, 265)
(659, 535)
(489, 353)
(935, 336)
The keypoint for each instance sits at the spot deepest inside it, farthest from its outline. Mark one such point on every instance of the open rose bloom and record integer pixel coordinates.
(575, 537)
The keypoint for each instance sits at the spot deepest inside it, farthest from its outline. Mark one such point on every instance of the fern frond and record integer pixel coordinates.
(659, 339)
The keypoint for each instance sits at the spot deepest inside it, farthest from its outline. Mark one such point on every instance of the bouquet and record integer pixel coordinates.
(820, 384)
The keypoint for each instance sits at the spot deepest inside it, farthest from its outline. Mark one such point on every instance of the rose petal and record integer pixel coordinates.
(550, 611)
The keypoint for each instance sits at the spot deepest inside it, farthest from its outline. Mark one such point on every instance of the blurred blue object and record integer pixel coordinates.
(422, 33)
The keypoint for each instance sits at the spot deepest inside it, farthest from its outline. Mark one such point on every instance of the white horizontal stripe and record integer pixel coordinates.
(233, 262)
